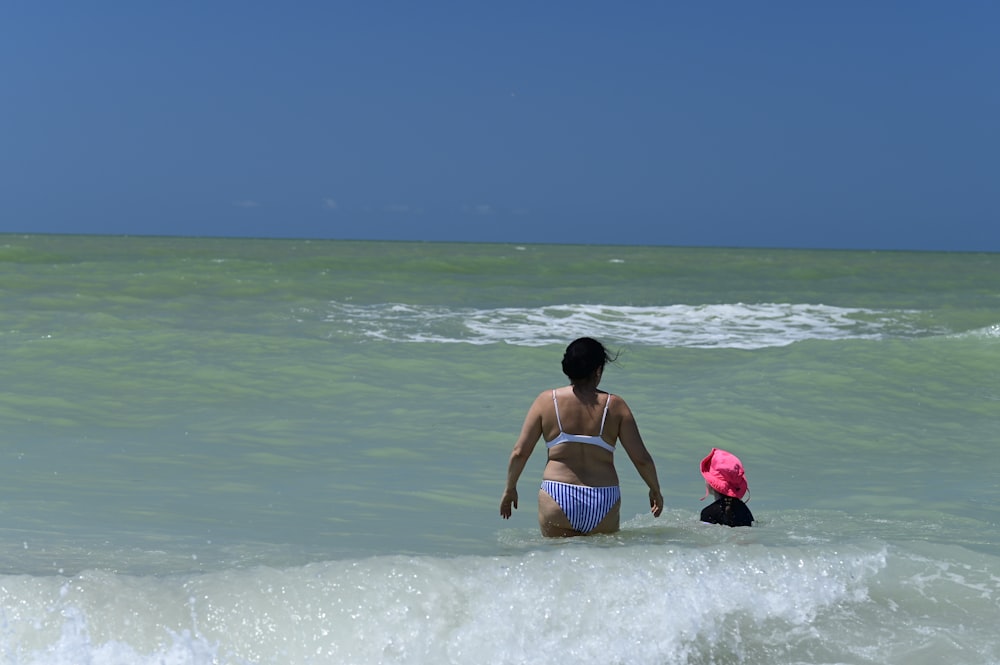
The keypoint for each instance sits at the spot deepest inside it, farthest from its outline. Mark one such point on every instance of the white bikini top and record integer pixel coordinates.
(563, 437)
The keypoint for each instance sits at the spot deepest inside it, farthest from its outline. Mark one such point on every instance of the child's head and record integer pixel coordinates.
(723, 473)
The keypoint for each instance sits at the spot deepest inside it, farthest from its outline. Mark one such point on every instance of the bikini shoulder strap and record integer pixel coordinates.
(555, 403)
(605, 416)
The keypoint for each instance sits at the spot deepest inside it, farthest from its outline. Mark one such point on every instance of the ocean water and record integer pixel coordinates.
(290, 451)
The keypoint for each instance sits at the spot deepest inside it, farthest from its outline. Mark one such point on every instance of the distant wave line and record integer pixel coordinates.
(738, 325)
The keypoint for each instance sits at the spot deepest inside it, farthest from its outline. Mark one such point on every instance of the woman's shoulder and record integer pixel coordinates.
(558, 391)
(544, 397)
(616, 401)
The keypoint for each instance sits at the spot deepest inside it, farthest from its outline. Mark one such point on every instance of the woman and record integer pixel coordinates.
(580, 493)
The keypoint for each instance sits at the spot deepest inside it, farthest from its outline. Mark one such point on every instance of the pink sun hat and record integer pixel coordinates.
(723, 472)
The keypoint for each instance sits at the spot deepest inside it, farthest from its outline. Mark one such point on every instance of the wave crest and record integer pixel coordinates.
(737, 326)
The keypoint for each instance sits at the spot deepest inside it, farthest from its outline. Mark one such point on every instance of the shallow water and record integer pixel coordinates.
(263, 451)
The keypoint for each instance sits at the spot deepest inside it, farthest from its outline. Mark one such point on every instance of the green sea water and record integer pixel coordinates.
(172, 405)
(202, 386)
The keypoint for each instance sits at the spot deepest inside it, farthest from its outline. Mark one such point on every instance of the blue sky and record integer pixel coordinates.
(859, 125)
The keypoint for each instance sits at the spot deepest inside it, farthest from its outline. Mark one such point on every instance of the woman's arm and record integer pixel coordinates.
(531, 431)
(631, 440)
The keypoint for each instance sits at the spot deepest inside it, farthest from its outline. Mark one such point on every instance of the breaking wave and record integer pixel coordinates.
(737, 326)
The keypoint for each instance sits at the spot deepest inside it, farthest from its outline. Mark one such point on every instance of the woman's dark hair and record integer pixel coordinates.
(583, 357)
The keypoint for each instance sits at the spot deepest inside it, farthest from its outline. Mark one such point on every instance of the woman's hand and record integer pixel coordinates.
(655, 502)
(508, 500)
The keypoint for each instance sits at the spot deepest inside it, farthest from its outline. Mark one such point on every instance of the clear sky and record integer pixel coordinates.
(847, 124)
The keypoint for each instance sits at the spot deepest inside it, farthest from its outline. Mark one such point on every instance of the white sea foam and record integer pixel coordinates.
(736, 600)
(989, 332)
(738, 325)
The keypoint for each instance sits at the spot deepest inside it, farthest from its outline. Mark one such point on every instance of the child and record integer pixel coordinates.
(724, 478)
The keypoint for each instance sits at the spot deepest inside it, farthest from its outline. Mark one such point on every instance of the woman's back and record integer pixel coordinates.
(580, 428)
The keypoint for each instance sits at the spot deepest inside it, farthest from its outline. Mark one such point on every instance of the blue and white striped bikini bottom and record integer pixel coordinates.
(584, 506)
